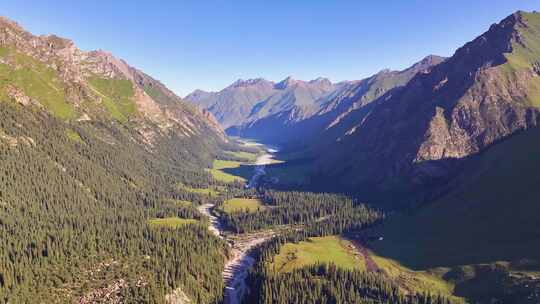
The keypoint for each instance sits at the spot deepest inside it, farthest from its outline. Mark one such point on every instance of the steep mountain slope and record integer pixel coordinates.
(90, 150)
(331, 117)
(232, 105)
(247, 101)
(51, 72)
(486, 91)
(294, 112)
(491, 217)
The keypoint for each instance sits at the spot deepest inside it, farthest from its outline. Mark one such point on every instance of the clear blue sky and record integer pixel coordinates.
(209, 44)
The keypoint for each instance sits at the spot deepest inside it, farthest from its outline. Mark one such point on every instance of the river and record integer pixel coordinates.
(260, 166)
(236, 267)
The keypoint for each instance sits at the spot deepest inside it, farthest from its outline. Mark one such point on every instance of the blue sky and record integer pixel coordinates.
(209, 44)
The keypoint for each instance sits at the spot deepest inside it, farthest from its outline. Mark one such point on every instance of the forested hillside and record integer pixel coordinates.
(91, 150)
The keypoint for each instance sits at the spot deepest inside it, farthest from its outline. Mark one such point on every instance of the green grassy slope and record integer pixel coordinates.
(494, 217)
(525, 58)
(330, 249)
(116, 96)
(36, 80)
(218, 170)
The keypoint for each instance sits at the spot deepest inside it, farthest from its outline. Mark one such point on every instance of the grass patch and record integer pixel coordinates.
(217, 171)
(37, 81)
(74, 136)
(183, 203)
(242, 204)
(116, 96)
(171, 222)
(225, 164)
(409, 280)
(180, 203)
(156, 95)
(289, 173)
(329, 249)
(249, 157)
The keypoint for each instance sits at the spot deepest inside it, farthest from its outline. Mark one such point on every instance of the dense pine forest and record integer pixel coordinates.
(320, 213)
(74, 206)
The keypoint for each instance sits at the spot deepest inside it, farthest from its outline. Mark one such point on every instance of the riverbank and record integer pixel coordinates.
(240, 260)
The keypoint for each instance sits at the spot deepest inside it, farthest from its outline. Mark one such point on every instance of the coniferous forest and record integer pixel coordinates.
(321, 213)
(73, 215)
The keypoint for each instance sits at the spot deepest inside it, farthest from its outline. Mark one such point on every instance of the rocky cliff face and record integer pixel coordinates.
(487, 91)
(94, 86)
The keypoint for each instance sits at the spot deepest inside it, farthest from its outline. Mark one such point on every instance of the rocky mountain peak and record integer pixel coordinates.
(286, 83)
(57, 43)
(489, 48)
(8, 23)
(427, 62)
(199, 92)
(321, 81)
(105, 63)
(249, 82)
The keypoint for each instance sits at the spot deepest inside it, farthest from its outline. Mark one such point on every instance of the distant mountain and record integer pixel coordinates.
(332, 114)
(294, 111)
(247, 101)
(232, 105)
(417, 135)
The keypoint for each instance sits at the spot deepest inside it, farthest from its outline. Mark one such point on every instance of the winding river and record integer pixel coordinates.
(236, 268)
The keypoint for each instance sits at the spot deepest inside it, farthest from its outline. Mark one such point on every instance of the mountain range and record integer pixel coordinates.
(438, 111)
(262, 109)
(247, 101)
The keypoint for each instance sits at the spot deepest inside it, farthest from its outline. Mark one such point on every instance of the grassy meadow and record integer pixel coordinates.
(171, 222)
(316, 250)
(219, 174)
(242, 204)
